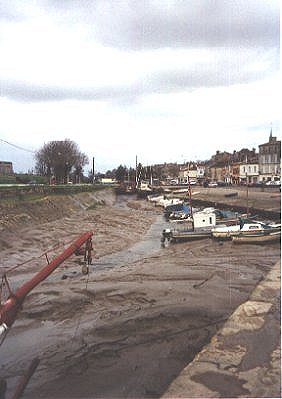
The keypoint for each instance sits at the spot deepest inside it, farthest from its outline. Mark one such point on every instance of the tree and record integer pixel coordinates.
(59, 158)
(121, 173)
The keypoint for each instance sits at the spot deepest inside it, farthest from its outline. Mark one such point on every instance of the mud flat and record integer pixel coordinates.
(132, 325)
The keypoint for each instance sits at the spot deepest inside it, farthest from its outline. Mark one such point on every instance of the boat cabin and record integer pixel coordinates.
(204, 219)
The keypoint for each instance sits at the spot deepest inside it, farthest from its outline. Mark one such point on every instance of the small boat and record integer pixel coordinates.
(177, 212)
(185, 234)
(258, 238)
(165, 202)
(200, 227)
(245, 227)
(144, 189)
(233, 194)
(155, 198)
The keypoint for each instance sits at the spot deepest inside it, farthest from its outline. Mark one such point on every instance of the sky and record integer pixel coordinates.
(163, 80)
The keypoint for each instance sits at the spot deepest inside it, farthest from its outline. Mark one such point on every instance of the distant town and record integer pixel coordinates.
(240, 167)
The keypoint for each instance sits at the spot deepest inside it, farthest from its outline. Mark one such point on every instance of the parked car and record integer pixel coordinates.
(212, 184)
(273, 183)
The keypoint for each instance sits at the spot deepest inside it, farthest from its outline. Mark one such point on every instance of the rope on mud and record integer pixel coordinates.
(79, 320)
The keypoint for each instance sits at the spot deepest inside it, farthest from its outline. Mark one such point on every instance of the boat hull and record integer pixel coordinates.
(190, 237)
(174, 236)
(257, 238)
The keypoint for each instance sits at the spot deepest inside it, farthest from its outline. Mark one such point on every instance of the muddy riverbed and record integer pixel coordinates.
(141, 315)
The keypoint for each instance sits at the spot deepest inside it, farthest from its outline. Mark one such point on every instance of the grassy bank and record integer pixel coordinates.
(23, 192)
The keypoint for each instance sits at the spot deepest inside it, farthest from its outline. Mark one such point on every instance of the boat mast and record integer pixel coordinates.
(136, 178)
(190, 200)
(247, 195)
(247, 187)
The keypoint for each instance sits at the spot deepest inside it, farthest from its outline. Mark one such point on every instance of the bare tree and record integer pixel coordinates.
(59, 158)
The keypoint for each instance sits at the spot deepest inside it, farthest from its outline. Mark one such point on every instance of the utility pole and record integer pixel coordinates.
(136, 172)
(247, 195)
(93, 169)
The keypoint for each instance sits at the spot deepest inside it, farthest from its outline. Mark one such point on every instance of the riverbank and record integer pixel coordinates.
(244, 358)
(131, 326)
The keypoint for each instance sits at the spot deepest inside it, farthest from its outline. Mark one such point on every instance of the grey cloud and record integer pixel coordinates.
(139, 24)
(220, 70)
(28, 92)
(135, 24)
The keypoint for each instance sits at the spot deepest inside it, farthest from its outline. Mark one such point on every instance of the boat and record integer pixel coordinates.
(144, 189)
(225, 232)
(177, 235)
(258, 238)
(155, 198)
(165, 202)
(245, 227)
(177, 212)
(233, 194)
(200, 226)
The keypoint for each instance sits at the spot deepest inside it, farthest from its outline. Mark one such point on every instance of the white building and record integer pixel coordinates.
(249, 172)
(270, 160)
(195, 172)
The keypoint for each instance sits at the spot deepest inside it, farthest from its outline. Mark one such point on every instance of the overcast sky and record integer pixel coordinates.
(166, 80)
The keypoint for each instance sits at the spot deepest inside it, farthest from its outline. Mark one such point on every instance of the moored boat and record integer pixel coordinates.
(186, 234)
(199, 227)
(245, 227)
(257, 238)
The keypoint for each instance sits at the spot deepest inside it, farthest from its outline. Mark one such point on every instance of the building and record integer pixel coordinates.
(107, 180)
(249, 173)
(192, 170)
(217, 171)
(235, 173)
(270, 160)
(6, 168)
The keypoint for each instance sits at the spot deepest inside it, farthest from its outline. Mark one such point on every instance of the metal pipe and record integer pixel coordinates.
(10, 308)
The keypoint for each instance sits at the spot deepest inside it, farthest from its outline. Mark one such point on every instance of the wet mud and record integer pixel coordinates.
(142, 314)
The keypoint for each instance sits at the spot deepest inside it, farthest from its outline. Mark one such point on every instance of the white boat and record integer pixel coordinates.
(200, 227)
(156, 198)
(243, 228)
(258, 238)
(223, 232)
(169, 201)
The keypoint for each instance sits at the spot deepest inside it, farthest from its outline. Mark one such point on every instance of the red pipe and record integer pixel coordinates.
(9, 310)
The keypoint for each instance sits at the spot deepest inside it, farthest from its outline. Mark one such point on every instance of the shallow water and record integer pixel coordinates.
(149, 245)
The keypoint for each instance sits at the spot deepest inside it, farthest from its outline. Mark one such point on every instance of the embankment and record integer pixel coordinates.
(30, 209)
